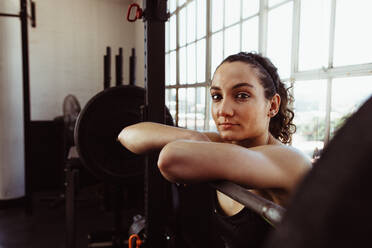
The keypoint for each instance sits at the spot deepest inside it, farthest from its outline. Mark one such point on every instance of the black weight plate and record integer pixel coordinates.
(98, 126)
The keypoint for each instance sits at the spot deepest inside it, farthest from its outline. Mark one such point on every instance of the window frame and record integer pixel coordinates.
(329, 73)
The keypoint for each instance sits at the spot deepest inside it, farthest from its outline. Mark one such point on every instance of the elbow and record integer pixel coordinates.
(121, 137)
(168, 163)
(125, 138)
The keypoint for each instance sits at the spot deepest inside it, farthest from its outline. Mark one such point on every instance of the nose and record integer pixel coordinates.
(225, 108)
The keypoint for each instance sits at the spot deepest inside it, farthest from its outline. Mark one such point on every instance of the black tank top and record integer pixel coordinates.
(244, 229)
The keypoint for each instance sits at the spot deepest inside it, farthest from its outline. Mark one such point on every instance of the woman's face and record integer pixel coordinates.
(239, 107)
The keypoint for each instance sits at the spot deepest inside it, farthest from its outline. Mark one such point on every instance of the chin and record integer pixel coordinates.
(227, 136)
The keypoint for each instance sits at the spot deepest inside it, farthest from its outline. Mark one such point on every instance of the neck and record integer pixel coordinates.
(264, 139)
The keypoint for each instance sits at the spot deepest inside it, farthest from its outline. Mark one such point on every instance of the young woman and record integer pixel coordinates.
(249, 107)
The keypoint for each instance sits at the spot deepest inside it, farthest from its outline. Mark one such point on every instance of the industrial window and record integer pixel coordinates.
(321, 48)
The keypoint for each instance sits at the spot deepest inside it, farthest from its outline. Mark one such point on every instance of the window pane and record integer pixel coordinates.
(313, 51)
(310, 111)
(348, 94)
(173, 30)
(201, 19)
(191, 64)
(232, 40)
(280, 38)
(250, 35)
(200, 62)
(172, 103)
(250, 7)
(183, 27)
(352, 38)
(191, 16)
(212, 125)
(181, 2)
(274, 2)
(190, 108)
(182, 98)
(217, 51)
(166, 36)
(232, 12)
(183, 65)
(172, 5)
(167, 97)
(167, 70)
(172, 68)
(200, 108)
(217, 15)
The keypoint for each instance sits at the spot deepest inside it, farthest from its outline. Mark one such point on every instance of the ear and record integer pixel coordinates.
(274, 105)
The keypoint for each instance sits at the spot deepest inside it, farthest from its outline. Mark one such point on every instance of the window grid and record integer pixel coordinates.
(329, 73)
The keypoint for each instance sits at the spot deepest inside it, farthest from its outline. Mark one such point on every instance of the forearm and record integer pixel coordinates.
(188, 162)
(147, 136)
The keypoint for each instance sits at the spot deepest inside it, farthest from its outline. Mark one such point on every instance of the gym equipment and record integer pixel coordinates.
(332, 205)
(132, 68)
(119, 67)
(97, 128)
(271, 212)
(107, 68)
(96, 131)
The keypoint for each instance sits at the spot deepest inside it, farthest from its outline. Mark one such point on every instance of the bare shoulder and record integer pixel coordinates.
(285, 153)
(291, 161)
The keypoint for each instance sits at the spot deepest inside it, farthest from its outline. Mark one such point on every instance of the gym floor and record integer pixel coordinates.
(45, 228)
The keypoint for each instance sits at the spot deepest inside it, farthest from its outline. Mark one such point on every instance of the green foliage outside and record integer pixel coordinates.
(315, 129)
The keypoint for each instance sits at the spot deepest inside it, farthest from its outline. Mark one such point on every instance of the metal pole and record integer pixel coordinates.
(107, 68)
(156, 186)
(132, 68)
(9, 15)
(119, 67)
(26, 105)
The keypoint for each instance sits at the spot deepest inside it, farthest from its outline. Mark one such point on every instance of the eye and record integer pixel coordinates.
(216, 97)
(242, 96)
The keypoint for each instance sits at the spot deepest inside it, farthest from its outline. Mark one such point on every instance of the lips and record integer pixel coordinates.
(227, 125)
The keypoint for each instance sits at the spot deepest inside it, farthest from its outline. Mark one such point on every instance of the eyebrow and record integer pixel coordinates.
(234, 87)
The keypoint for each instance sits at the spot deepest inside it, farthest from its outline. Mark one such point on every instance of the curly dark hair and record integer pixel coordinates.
(281, 126)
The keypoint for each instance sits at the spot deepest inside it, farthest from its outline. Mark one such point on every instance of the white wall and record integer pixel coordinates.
(67, 49)
(12, 175)
(66, 57)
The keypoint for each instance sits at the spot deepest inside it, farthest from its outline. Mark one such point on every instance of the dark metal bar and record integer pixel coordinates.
(72, 175)
(33, 14)
(132, 68)
(272, 212)
(26, 105)
(107, 68)
(155, 186)
(9, 15)
(119, 67)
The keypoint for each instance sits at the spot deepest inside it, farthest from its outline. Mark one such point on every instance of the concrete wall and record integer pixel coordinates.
(66, 57)
(67, 49)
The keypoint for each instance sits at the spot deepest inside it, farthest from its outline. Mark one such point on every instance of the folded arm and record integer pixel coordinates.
(269, 166)
(147, 136)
